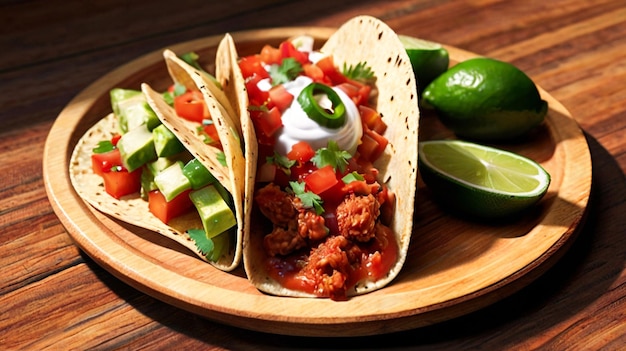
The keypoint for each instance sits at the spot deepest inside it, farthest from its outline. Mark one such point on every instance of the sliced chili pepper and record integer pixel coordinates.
(333, 117)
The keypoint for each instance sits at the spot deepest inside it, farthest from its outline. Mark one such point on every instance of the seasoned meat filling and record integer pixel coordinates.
(275, 204)
(356, 217)
(331, 256)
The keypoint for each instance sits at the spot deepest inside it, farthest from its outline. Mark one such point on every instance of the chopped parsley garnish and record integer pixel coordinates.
(287, 71)
(308, 198)
(103, 147)
(361, 72)
(331, 155)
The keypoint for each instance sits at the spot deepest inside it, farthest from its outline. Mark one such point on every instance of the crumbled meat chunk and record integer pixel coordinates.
(329, 267)
(283, 241)
(356, 217)
(275, 204)
(311, 225)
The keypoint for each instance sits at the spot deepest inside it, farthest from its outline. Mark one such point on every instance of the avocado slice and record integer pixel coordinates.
(137, 148)
(165, 142)
(132, 109)
(171, 181)
(216, 216)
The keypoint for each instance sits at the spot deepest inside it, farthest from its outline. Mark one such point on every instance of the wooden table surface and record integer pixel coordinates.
(54, 296)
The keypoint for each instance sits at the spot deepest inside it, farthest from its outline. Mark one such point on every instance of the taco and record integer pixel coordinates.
(336, 134)
(170, 163)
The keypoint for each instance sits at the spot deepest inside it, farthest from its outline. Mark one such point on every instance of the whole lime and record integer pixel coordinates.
(428, 59)
(486, 99)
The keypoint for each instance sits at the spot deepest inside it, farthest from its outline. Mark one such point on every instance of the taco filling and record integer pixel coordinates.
(327, 213)
(133, 166)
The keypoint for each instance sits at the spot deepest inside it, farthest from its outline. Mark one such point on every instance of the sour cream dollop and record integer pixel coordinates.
(297, 126)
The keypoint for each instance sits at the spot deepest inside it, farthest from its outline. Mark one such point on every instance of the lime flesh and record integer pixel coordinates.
(481, 181)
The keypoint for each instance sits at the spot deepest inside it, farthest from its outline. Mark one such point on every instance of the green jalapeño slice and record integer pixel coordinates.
(313, 102)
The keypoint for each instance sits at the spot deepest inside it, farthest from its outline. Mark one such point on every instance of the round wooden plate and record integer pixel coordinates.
(454, 267)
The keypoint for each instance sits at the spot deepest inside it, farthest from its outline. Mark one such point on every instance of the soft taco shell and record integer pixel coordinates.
(367, 39)
(227, 122)
(131, 209)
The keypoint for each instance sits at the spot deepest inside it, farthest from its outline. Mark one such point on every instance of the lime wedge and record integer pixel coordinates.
(481, 181)
(429, 59)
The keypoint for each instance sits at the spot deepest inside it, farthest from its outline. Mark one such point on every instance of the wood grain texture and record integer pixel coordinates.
(574, 49)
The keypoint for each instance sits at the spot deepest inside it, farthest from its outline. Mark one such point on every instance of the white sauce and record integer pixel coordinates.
(297, 126)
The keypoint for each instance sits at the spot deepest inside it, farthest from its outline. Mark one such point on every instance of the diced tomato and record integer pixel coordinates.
(252, 66)
(334, 195)
(280, 97)
(372, 145)
(270, 55)
(288, 50)
(300, 171)
(115, 139)
(358, 93)
(372, 119)
(256, 96)
(211, 132)
(301, 152)
(315, 73)
(165, 210)
(121, 182)
(103, 162)
(327, 65)
(266, 122)
(191, 106)
(321, 179)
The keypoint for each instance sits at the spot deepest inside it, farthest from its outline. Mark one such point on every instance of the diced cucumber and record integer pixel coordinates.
(216, 216)
(136, 148)
(132, 109)
(165, 142)
(171, 181)
(197, 174)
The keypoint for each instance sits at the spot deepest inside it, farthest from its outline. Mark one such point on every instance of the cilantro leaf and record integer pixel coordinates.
(168, 96)
(352, 177)
(287, 71)
(308, 198)
(221, 158)
(281, 162)
(331, 155)
(103, 147)
(204, 244)
(361, 72)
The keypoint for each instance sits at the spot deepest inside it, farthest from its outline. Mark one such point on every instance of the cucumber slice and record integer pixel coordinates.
(137, 148)
(165, 142)
(216, 216)
(198, 175)
(171, 181)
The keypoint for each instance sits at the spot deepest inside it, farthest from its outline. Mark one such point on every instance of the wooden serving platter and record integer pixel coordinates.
(455, 266)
